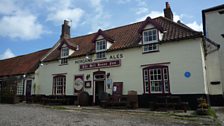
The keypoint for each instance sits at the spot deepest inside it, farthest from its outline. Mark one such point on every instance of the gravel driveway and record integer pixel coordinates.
(38, 115)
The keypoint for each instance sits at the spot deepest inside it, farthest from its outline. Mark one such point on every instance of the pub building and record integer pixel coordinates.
(154, 57)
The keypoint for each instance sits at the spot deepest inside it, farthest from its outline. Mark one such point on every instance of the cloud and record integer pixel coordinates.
(7, 54)
(141, 10)
(17, 22)
(123, 1)
(7, 7)
(23, 27)
(70, 14)
(153, 14)
(66, 11)
(194, 25)
(99, 17)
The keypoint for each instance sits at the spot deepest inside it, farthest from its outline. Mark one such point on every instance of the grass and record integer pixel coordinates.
(211, 112)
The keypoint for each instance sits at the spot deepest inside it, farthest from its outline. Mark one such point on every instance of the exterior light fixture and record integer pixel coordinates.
(108, 75)
(87, 57)
(87, 76)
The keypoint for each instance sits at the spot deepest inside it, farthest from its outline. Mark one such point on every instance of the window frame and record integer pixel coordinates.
(101, 47)
(152, 46)
(152, 41)
(163, 81)
(59, 79)
(64, 51)
(99, 55)
(156, 49)
(101, 42)
(64, 55)
(20, 89)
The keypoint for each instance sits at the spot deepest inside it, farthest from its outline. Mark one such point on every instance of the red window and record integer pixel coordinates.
(156, 79)
(59, 83)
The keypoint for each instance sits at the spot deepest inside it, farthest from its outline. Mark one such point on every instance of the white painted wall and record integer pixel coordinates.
(215, 62)
(183, 56)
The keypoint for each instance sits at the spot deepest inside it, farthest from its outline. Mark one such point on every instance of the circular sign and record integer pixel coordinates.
(78, 84)
(187, 74)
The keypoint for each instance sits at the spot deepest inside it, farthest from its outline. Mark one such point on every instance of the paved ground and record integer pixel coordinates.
(37, 115)
(220, 113)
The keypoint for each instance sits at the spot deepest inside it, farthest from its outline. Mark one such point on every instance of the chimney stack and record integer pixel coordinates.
(65, 30)
(168, 12)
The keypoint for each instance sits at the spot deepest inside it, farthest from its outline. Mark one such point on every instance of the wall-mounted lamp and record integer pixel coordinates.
(24, 75)
(87, 76)
(87, 56)
(108, 75)
(41, 64)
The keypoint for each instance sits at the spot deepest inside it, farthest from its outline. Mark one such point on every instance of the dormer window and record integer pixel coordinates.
(64, 55)
(101, 46)
(150, 40)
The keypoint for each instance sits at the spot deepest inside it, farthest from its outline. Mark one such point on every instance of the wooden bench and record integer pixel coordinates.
(54, 100)
(114, 101)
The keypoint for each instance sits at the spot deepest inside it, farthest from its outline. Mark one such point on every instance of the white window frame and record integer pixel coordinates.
(64, 52)
(100, 44)
(148, 80)
(152, 45)
(64, 55)
(20, 88)
(152, 35)
(100, 55)
(59, 85)
(154, 78)
(101, 47)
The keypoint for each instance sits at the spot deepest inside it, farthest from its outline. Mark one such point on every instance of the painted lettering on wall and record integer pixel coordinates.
(83, 61)
(111, 57)
(117, 56)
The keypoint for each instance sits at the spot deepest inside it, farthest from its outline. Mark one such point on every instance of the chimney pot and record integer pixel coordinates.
(65, 30)
(168, 12)
(167, 5)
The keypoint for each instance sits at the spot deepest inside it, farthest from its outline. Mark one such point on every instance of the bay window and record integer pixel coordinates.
(156, 79)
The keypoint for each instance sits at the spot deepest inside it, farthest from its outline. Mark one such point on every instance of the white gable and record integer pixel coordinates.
(149, 26)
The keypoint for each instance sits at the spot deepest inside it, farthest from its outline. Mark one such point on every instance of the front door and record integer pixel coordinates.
(28, 88)
(99, 89)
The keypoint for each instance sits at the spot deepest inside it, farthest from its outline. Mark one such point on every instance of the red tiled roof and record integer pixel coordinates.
(128, 36)
(21, 64)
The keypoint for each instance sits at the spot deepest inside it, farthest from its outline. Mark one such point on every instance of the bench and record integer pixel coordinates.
(54, 100)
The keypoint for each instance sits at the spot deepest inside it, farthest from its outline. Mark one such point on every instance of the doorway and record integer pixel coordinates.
(99, 89)
(98, 86)
(28, 89)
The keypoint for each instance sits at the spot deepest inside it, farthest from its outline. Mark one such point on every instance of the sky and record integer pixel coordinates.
(30, 25)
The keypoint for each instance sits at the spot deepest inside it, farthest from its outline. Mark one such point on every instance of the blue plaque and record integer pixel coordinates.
(187, 74)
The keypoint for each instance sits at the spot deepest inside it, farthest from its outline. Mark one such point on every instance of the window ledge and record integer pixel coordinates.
(100, 59)
(150, 52)
(63, 64)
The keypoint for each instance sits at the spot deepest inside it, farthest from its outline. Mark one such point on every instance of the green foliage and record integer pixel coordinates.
(211, 112)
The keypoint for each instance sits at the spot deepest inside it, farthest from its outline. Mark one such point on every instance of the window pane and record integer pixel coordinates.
(58, 85)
